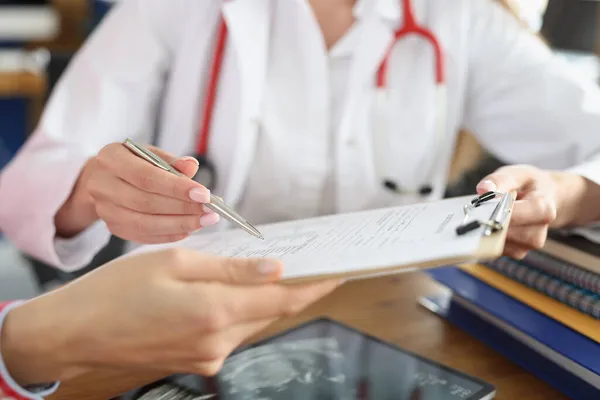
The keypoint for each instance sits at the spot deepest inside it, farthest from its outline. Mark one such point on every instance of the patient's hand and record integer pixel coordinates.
(173, 311)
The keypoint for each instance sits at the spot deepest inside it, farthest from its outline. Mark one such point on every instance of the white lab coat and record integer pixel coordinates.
(146, 68)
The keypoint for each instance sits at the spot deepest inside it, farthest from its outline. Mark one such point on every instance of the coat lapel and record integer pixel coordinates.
(249, 25)
(378, 21)
(377, 32)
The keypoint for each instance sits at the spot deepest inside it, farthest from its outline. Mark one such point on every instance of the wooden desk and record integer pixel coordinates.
(384, 307)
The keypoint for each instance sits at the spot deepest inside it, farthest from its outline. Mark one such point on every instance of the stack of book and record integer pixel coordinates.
(542, 312)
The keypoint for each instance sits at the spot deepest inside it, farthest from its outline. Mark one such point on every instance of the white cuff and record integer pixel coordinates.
(589, 170)
(34, 393)
(590, 232)
(77, 252)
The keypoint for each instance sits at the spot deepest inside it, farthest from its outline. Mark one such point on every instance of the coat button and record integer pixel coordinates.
(350, 142)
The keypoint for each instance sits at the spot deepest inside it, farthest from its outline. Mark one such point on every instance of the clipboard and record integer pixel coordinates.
(491, 243)
(494, 237)
(364, 244)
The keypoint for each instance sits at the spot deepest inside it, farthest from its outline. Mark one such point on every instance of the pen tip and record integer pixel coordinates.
(255, 231)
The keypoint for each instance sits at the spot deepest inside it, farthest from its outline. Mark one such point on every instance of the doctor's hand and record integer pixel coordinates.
(535, 209)
(136, 200)
(173, 311)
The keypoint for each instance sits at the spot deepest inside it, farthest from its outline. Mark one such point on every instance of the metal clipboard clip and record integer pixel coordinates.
(498, 218)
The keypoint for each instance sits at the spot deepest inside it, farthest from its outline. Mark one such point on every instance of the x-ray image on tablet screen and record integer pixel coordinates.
(324, 360)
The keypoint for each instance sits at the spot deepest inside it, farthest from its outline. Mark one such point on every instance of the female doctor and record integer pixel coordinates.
(297, 108)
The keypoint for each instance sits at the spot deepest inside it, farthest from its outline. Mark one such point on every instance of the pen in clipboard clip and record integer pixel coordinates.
(216, 203)
(497, 219)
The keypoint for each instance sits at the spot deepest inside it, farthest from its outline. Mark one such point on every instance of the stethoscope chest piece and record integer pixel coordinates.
(392, 186)
(409, 27)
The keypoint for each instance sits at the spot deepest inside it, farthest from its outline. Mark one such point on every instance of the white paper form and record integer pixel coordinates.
(343, 243)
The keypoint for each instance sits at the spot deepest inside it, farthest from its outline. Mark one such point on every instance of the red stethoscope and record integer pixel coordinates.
(207, 174)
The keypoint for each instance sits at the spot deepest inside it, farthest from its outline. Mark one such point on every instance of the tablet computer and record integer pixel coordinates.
(321, 360)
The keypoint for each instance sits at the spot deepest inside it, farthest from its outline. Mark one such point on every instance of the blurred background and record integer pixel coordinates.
(39, 37)
(37, 40)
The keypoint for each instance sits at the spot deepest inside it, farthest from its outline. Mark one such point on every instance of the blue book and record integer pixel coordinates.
(555, 353)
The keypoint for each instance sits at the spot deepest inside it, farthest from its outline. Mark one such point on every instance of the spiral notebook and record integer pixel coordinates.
(579, 322)
(564, 270)
(376, 242)
(565, 292)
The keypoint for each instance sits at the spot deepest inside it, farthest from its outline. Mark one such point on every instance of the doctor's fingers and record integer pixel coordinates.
(146, 176)
(511, 177)
(155, 239)
(105, 187)
(135, 225)
(534, 208)
(529, 238)
(515, 251)
(186, 165)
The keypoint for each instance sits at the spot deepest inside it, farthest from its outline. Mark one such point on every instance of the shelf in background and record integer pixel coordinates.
(22, 84)
(25, 23)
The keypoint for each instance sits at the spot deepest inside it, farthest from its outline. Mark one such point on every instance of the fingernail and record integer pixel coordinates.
(200, 195)
(209, 219)
(207, 209)
(268, 266)
(187, 158)
(487, 186)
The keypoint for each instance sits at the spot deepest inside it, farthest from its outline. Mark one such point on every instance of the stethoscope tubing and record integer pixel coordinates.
(382, 163)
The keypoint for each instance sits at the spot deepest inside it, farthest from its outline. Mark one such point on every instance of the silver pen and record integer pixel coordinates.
(216, 203)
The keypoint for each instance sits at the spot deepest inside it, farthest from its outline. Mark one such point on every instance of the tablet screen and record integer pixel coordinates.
(326, 360)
